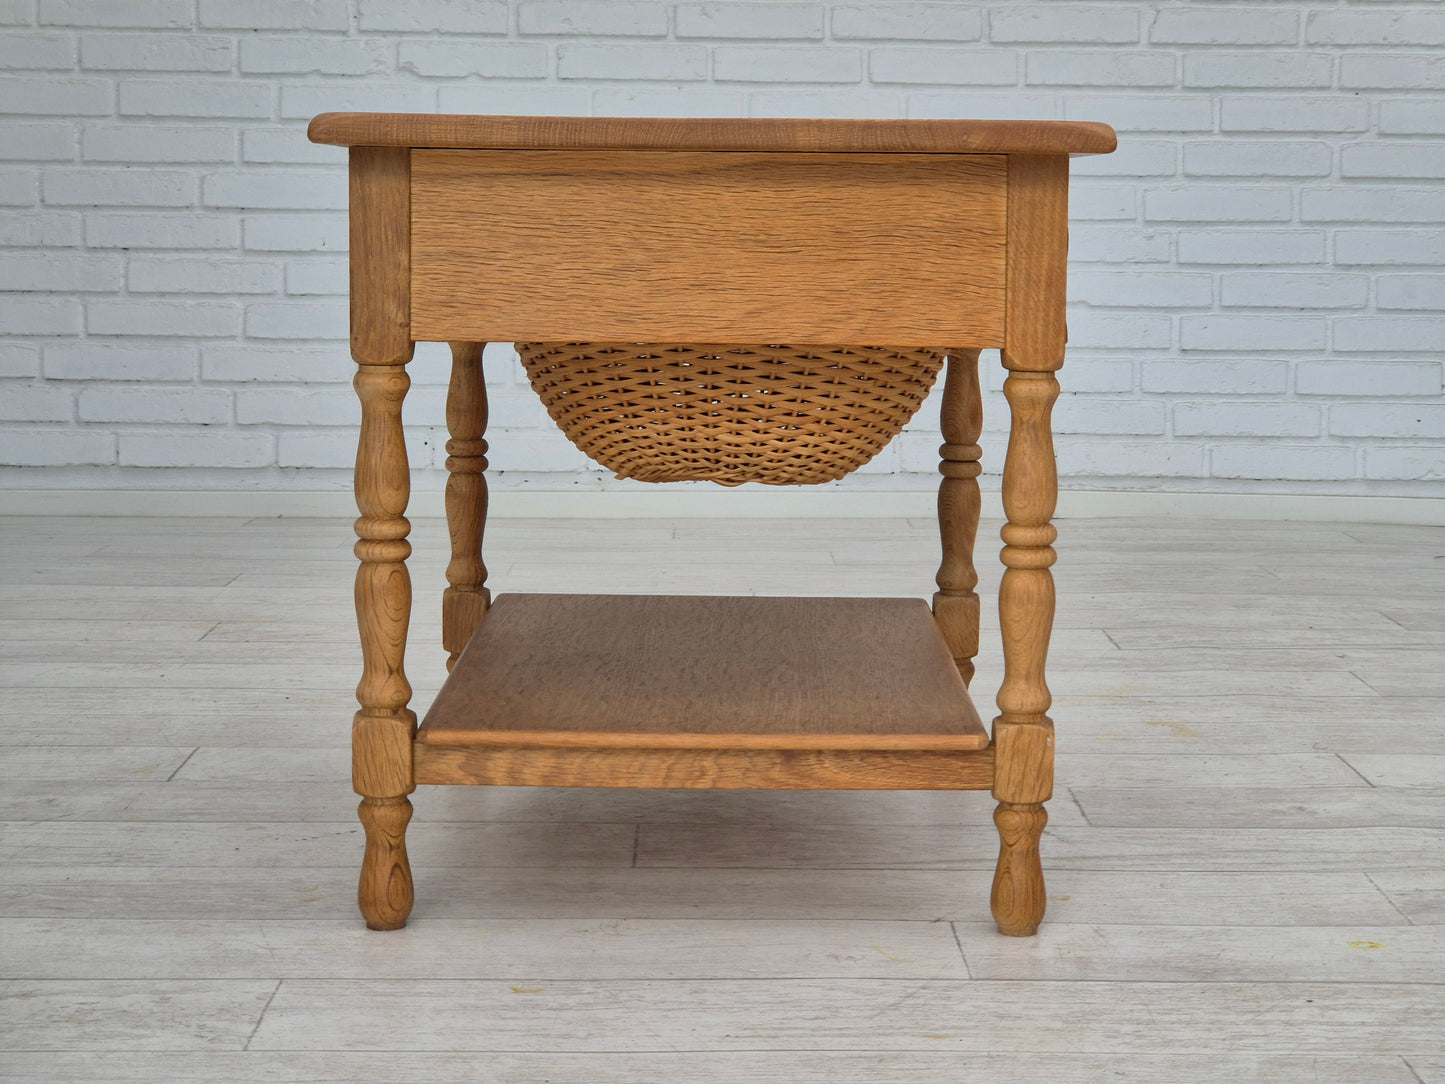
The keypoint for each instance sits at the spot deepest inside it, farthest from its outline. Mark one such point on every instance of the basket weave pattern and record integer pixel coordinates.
(782, 415)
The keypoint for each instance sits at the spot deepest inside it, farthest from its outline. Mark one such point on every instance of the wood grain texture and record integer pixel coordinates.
(465, 601)
(1023, 733)
(622, 949)
(713, 1067)
(654, 671)
(1018, 899)
(380, 223)
(382, 730)
(385, 893)
(1026, 591)
(704, 769)
(956, 603)
(894, 1014)
(383, 587)
(669, 246)
(713, 134)
(1038, 247)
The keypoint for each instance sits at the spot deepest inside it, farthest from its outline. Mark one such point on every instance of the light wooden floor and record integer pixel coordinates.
(1246, 860)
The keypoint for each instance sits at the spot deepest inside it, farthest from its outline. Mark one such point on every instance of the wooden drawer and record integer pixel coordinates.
(885, 249)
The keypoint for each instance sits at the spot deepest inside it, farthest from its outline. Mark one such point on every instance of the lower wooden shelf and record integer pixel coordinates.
(705, 691)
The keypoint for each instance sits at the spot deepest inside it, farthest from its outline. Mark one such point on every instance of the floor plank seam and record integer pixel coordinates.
(957, 940)
(183, 763)
(1389, 899)
(1343, 760)
(262, 1015)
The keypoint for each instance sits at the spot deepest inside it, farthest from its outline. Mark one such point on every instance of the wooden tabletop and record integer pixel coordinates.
(713, 134)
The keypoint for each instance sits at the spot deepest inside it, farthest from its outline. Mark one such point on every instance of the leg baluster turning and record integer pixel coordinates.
(1023, 734)
(385, 893)
(465, 602)
(1018, 883)
(955, 603)
(383, 730)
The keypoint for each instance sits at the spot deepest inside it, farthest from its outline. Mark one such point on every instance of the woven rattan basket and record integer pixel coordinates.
(783, 415)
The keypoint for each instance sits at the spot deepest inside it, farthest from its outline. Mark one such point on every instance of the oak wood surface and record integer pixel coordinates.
(383, 727)
(713, 134)
(655, 671)
(956, 604)
(1023, 734)
(1038, 250)
(709, 769)
(706, 247)
(465, 601)
(380, 226)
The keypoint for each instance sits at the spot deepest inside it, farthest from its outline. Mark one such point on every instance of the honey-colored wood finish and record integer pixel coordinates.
(1038, 251)
(709, 672)
(955, 603)
(713, 134)
(382, 731)
(1023, 734)
(384, 726)
(721, 769)
(751, 248)
(465, 602)
(912, 233)
(380, 196)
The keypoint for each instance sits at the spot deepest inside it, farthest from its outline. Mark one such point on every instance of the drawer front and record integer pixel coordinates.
(652, 246)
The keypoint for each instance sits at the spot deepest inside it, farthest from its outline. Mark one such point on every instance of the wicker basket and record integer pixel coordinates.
(782, 415)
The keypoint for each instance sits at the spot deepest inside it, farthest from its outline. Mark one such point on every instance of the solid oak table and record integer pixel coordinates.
(939, 234)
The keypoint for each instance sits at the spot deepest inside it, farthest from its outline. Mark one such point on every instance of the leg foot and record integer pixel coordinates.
(385, 892)
(1018, 885)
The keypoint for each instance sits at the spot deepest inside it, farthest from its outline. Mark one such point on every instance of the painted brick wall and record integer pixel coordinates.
(1258, 295)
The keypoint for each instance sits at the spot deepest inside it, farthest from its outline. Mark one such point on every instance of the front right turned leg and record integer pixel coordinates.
(383, 729)
(1023, 734)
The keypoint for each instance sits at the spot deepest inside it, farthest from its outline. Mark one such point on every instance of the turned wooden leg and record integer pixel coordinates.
(955, 603)
(1023, 732)
(385, 893)
(465, 602)
(1034, 338)
(383, 729)
(1018, 883)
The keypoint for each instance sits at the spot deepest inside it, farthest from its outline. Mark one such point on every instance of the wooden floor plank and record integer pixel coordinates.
(1249, 807)
(692, 845)
(1428, 1068)
(78, 764)
(85, 1014)
(1230, 954)
(1418, 894)
(1153, 1017)
(502, 949)
(1396, 769)
(264, 846)
(328, 893)
(310, 801)
(711, 1067)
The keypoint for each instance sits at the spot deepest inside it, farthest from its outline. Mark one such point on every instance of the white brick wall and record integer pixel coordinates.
(1258, 285)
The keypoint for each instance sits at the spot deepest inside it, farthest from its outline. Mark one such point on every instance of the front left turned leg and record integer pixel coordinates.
(1018, 883)
(383, 728)
(385, 893)
(1023, 734)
